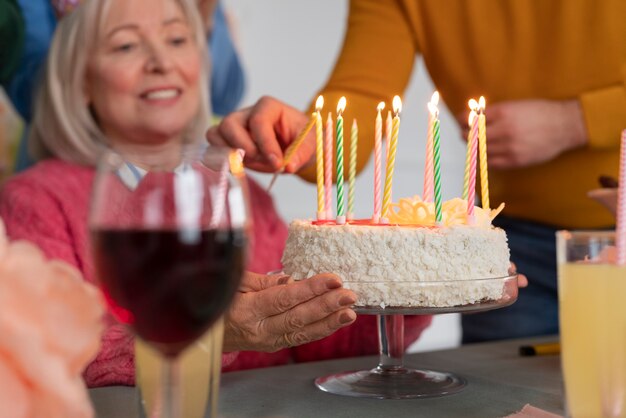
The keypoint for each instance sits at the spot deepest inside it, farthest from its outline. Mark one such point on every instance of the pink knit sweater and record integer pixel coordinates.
(48, 205)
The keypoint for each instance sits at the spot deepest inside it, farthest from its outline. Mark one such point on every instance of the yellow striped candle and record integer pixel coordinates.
(391, 158)
(328, 166)
(341, 210)
(354, 140)
(482, 149)
(319, 158)
(388, 128)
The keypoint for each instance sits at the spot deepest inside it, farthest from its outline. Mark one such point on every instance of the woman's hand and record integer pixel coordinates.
(522, 280)
(264, 131)
(274, 312)
(528, 132)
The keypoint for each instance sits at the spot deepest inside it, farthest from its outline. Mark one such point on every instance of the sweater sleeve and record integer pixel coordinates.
(604, 111)
(375, 63)
(31, 213)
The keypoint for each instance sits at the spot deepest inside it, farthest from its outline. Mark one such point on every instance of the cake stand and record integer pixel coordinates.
(391, 379)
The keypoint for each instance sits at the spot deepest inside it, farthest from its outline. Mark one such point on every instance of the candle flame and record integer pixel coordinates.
(319, 103)
(380, 106)
(434, 99)
(432, 108)
(341, 106)
(473, 104)
(482, 103)
(470, 119)
(397, 105)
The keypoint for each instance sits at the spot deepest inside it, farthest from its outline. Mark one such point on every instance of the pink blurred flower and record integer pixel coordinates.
(50, 327)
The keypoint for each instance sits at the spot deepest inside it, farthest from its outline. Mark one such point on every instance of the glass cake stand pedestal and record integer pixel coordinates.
(391, 379)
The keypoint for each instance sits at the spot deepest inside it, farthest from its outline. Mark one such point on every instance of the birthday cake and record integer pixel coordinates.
(409, 262)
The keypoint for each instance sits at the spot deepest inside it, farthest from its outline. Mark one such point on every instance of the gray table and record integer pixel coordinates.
(500, 382)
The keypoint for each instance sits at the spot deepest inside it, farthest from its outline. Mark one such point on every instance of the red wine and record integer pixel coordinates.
(169, 286)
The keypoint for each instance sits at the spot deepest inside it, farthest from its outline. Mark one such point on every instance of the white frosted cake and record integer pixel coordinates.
(390, 265)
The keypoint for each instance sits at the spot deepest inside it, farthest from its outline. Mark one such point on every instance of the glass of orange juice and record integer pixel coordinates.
(592, 313)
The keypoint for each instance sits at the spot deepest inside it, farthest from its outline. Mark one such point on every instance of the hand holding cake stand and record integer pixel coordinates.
(391, 379)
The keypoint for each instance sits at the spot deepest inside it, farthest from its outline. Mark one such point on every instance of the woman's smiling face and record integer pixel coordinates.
(143, 75)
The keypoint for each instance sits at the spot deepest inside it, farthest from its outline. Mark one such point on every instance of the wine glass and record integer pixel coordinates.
(391, 378)
(169, 239)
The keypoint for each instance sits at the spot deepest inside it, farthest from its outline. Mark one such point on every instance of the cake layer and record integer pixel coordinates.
(384, 263)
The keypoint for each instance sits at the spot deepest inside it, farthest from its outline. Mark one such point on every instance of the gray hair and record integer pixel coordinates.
(63, 125)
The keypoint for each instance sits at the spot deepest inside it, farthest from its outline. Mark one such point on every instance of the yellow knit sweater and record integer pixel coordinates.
(504, 50)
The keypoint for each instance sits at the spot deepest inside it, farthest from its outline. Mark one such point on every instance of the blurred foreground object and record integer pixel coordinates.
(50, 324)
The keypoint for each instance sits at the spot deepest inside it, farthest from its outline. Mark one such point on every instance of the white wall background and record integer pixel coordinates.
(289, 49)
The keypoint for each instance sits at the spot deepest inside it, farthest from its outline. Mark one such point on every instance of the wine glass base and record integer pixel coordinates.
(394, 383)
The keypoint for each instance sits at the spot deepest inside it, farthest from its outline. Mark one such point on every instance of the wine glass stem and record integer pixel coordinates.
(390, 342)
(170, 389)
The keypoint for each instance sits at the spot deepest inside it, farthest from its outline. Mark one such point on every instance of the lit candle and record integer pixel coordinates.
(293, 147)
(472, 144)
(434, 111)
(378, 133)
(428, 164)
(354, 140)
(319, 158)
(482, 149)
(391, 158)
(388, 123)
(341, 211)
(473, 105)
(328, 166)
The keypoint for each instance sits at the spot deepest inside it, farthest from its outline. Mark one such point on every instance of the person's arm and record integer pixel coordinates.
(375, 63)
(30, 213)
(11, 38)
(604, 113)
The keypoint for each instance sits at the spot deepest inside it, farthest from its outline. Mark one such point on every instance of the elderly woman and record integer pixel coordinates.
(131, 75)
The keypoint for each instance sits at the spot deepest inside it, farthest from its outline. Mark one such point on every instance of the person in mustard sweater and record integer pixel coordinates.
(554, 75)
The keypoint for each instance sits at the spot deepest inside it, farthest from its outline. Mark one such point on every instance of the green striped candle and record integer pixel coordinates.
(436, 162)
(354, 140)
(341, 210)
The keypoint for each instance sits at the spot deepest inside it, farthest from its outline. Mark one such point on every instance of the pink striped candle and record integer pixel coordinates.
(378, 133)
(328, 166)
(429, 193)
(620, 233)
(473, 105)
(471, 173)
(319, 159)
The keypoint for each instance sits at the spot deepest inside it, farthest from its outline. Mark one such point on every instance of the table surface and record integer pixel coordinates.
(499, 382)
